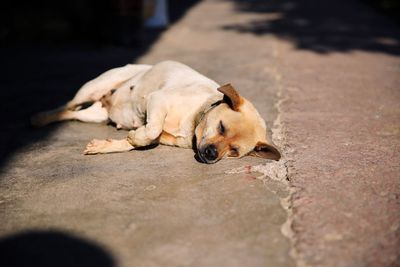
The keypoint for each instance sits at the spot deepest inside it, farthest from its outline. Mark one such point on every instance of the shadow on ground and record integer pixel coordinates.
(340, 26)
(42, 74)
(52, 248)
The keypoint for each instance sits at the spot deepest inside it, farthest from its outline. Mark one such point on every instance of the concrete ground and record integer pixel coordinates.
(326, 82)
(157, 207)
(341, 116)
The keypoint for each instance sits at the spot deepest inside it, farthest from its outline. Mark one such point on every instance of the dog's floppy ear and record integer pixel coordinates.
(266, 151)
(231, 96)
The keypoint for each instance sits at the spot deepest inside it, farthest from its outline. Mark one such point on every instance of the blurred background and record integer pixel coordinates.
(118, 22)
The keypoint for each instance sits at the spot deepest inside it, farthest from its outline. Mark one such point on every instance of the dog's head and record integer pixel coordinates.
(233, 128)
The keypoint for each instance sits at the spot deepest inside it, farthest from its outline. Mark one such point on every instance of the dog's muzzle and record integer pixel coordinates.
(208, 154)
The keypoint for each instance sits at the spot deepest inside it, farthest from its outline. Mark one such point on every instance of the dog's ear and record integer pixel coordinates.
(231, 96)
(266, 151)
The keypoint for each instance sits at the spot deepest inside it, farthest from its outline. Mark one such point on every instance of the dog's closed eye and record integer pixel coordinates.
(221, 128)
(233, 152)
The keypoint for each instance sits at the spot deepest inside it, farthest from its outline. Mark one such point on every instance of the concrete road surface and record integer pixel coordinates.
(157, 207)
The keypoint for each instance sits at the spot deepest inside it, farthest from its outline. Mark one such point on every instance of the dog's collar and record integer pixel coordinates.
(203, 113)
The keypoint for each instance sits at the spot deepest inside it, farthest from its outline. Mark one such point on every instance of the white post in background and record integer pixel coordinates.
(159, 17)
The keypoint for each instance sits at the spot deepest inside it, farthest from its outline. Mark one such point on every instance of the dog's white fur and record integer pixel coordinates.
(161, 103)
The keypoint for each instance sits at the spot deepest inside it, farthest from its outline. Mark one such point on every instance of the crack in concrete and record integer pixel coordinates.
(278, 137)
(278, 171)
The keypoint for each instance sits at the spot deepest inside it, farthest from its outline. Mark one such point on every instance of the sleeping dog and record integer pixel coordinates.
(171, 104)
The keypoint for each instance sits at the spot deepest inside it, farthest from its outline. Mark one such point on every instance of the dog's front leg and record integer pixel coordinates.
(144, 136)
(107, 146)
(156, 113)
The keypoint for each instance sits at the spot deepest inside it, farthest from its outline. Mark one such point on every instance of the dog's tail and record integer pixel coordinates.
(61, 113)
(46, 117)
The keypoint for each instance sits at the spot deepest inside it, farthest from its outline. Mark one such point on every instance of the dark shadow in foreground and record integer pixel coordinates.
(321, 26)
(50, 249)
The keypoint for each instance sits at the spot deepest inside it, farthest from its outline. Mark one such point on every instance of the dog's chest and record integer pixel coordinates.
(179, 123)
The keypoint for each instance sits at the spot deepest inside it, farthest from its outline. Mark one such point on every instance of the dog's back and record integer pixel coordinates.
(171, 75)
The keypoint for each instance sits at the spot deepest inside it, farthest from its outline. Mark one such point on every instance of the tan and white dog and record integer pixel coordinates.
(171, 104)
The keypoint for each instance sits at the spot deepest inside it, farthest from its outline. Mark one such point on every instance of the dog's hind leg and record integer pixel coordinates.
(89, 93)
(95, 113)
(112, 79)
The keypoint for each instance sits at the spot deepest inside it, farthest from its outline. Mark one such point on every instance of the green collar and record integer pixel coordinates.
(203, 113)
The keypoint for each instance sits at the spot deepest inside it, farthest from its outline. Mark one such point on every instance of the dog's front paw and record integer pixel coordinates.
(97, 147)
(139, 137)
(131, 137)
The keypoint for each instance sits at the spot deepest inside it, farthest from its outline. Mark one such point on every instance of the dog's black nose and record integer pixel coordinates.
(210, 152)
